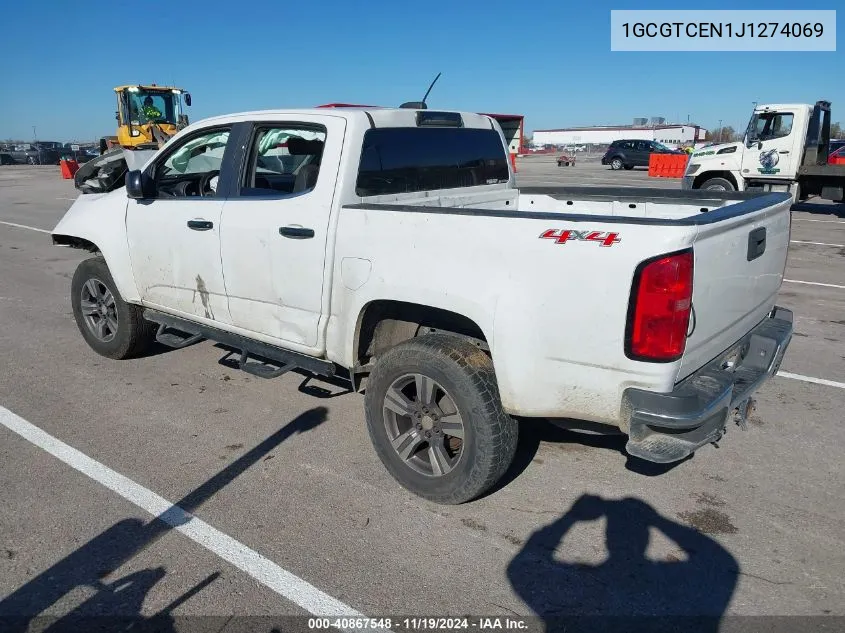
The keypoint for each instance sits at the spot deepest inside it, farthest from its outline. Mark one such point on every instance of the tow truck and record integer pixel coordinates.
(785, 148)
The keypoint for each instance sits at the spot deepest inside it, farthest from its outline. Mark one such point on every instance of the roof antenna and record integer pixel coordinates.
(420, 105)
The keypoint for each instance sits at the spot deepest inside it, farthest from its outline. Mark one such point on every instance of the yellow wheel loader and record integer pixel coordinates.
(147, 117)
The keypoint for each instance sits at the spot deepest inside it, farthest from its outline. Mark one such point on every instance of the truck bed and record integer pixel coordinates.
(613, 204)
(829, 171)
(579, 286)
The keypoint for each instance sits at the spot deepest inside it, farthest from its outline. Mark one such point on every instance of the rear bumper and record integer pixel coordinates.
(667, 427)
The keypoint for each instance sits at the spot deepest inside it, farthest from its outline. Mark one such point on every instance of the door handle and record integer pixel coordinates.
(296, 232)
(756, 243)
(200, 225)
(784, 152)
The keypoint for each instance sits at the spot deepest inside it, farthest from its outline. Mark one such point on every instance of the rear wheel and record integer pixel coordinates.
(616, 164)
(110, 326)
(436, 421)
(717, 184)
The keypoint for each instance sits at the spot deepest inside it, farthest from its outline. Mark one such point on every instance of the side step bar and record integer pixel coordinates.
(174, 340)
(261, 352)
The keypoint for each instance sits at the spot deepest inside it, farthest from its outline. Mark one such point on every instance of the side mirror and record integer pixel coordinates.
(139, 185)
(188, 99)
(759, 144)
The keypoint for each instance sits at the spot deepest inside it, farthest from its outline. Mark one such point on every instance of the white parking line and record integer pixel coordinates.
(813, 283)
(24, 226)
(260, 568)
(817, 243)
(818, 381)
(71, 199)
(822, 221)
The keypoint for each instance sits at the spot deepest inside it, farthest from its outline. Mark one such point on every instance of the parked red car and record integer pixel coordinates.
(837, 157)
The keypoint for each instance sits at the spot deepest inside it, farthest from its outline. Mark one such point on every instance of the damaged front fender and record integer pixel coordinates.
(108, 172)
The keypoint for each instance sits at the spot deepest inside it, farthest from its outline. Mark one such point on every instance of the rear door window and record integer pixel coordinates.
(284, 160)
(402, 160)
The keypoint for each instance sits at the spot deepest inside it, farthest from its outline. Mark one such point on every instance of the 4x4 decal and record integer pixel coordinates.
(562, 236)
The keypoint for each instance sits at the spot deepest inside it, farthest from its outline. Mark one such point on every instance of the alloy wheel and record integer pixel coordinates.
(99, 310)
(423, 425)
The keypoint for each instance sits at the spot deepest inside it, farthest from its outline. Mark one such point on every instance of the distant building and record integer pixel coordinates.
(671, 135)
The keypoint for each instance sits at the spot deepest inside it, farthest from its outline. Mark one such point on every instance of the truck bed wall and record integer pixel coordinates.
(553, 313)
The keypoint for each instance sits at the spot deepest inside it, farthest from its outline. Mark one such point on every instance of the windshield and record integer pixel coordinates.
(661, 147)
(200, 155)
(768, 125)
(153, 107)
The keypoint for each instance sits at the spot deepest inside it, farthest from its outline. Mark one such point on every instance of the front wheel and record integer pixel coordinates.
(616, 164)
(717, 184)
(435, 418)
(111, 327)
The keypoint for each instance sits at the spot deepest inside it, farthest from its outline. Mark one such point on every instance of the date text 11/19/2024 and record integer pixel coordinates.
(419, 624)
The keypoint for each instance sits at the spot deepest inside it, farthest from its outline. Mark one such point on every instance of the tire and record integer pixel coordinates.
(717, 184)
(464, 375)
(30, 160)
(132, 336)
(616, 164)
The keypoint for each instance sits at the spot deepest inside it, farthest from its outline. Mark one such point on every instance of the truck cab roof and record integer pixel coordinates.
(770, 107)
(370, 116)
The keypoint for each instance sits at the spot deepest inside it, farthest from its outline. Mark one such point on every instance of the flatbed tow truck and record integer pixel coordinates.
(786, 147)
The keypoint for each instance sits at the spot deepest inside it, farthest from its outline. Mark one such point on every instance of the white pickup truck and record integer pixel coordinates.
(391, 248)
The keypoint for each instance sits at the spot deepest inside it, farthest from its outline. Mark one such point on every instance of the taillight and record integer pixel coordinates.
(659, 309)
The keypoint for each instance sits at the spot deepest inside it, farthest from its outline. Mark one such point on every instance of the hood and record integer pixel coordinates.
(721, 151)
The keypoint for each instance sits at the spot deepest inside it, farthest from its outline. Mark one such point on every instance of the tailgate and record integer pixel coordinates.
(738, 270)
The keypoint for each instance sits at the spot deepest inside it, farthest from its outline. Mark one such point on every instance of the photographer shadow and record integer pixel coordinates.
(688, 591)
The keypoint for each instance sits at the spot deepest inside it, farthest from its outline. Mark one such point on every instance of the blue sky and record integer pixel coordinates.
(550, 61)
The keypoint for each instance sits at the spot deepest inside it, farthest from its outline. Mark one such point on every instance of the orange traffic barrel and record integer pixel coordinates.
(69, 168)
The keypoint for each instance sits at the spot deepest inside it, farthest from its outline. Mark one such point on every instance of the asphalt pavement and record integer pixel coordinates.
(270, 500)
